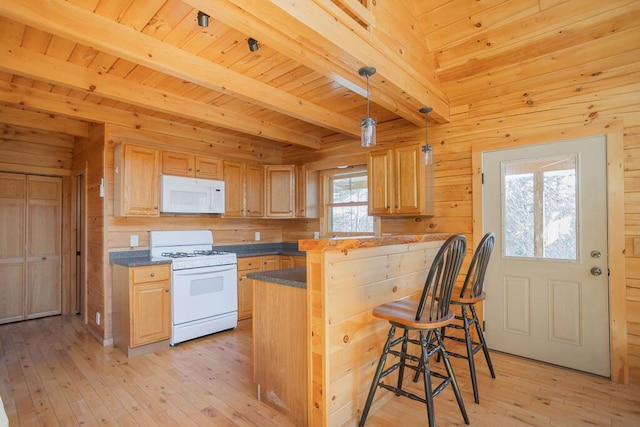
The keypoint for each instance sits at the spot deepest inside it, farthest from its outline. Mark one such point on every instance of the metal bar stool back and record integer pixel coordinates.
(471, 293)
(421, 322)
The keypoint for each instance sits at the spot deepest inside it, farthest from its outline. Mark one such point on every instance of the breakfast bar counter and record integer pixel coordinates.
(316, 346)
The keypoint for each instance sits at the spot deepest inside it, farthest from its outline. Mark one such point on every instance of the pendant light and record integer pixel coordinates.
(426, 148)
(368, 124)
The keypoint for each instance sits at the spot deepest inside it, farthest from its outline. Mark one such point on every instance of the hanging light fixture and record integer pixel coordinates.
(426, 148)
(368, 124)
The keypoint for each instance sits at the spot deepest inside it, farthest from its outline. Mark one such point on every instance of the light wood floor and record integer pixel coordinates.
(52, 372)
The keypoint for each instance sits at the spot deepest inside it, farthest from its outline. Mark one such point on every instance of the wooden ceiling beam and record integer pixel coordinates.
(34, 99)
(26, 63)
(74, 23)
(47, 122)
(318, 34)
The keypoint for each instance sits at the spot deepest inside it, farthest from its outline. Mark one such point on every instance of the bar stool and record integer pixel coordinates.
(426, 316)
(470, 294)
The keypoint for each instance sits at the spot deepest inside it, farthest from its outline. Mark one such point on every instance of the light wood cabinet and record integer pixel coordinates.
(244, 189)
(399, 182)
(136, 176)
(286, 261)
(306, 193)
(254, 190)
(245, 286)
(141, 306)
(30, 250)
(280, 190)
(270, 262)
(185, 164)
(299, 261)
(209, 167)
(255, 264)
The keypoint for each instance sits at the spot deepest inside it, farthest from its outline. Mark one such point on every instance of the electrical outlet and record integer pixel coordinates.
(257, 236)
(133, 240)
(98, 318)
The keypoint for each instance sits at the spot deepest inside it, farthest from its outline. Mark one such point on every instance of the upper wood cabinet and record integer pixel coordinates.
(136, 176)
(254, 190)
(399, 182)
(244, 189)
(280, 191)
(184, 164)
(306, 193)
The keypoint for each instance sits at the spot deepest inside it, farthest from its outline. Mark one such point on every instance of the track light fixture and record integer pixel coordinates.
(203, 19)
(253, 44)
(368, 124)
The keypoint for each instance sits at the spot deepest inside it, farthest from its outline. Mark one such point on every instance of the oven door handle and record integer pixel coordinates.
(198, 271)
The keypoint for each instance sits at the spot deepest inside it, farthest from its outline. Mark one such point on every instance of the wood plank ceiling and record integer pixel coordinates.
(105, 60)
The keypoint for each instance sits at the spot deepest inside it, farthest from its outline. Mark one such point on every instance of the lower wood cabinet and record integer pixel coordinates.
(245, 285)
(141, 306)
(256, 264)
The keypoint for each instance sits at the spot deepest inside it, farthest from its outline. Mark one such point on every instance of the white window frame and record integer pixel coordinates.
(326, 204)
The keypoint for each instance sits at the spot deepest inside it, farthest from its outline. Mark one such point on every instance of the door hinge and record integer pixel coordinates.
(484, 328)
(482, 177)
(78, 253)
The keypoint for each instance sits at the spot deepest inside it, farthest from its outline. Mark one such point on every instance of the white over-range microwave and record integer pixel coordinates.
(191, 195)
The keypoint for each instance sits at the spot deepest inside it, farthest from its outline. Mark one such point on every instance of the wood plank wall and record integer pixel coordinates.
(88, 159)
(589, 104)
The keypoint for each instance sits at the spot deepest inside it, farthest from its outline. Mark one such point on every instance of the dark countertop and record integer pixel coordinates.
(143, 257)
(134, 259)
(296, 277)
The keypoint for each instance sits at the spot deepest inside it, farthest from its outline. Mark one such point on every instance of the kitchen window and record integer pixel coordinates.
(345, 196)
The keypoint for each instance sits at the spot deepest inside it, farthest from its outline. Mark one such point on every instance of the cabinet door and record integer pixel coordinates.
(245, 294)
(180, 164)
(44, 240)
(137, 175)
(234, 189)
(254, 191)
(270, 262)
(150, 312)
(209, 167)
(12, 254)
(379, 178)
(306, 193)
(408, 198)
(286, 261)
(280, 191)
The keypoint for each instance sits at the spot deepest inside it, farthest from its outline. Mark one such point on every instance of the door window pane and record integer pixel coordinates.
(540, 208)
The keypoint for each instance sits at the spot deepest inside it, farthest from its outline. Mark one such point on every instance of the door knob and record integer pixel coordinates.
(596, 271)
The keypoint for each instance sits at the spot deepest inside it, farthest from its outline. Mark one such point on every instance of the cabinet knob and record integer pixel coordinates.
(44, 258)
(153, 274)
(155, 207)
(166, 289)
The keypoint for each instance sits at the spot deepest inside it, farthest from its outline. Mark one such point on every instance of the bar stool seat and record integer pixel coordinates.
(425, 319)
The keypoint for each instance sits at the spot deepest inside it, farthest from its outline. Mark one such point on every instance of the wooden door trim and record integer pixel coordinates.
(613, 131)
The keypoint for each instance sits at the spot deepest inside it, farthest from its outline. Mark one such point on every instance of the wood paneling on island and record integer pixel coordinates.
(346, 279)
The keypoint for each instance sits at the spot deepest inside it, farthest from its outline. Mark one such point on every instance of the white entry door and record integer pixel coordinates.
(547, 282)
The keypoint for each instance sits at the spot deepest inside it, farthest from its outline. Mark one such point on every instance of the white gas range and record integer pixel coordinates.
(204, 282)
